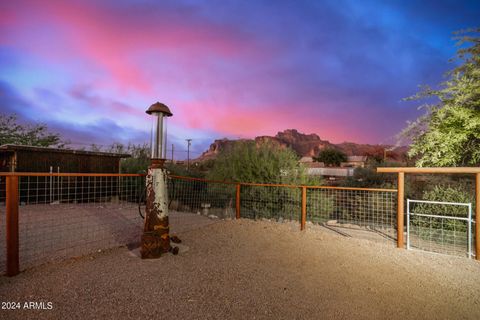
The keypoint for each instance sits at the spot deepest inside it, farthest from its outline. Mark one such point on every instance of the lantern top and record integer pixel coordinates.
(158, 107)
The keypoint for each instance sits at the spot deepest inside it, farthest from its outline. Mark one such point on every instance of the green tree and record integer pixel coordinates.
(11, 132)
(140, 158)
(137, 163)
(449, 132)
(264, 163)
(331, 157)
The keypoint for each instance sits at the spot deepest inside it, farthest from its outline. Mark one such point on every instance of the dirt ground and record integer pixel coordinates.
(57, 232)
(253, 270)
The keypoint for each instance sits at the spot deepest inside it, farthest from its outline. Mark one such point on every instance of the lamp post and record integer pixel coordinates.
(156, 237)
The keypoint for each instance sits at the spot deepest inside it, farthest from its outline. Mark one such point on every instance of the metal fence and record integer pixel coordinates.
(202, 197)
(366, 213)
(357, 212)
(70, 215)
(440, 227)
(65, 215)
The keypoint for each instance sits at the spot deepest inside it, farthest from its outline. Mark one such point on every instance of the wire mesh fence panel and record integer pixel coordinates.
(66, 216)
(206, 198)
(359, 213)
(270, 202)
(440, 227)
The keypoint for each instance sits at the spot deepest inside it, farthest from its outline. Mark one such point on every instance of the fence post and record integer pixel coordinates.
(477, 216)
(12, 226)
(400, 208)
(237, 202)
(304, 208)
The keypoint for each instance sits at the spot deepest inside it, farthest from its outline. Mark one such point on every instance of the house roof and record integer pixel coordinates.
(15, 147)
(356, 158)
(314, 164)
(334, 172)
(306, 159)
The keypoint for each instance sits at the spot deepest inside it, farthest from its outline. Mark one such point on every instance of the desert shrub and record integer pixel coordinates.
(366, 208)
(320, 206)
(247, 161)
(369, 178)
(442, 194)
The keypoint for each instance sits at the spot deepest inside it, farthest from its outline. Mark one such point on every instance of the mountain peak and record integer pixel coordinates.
(305, 145)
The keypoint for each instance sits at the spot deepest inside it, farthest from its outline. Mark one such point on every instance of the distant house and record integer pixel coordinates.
(346, 170)
(17, 158)
(330, 172)
(354, 162)
(306, 160)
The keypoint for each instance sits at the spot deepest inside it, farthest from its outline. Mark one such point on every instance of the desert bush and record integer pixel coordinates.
(267, 163)
(443, 194)
(320, 206)
(366, 208)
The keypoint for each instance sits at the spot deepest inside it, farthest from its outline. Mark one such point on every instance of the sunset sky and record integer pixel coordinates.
(236, 69)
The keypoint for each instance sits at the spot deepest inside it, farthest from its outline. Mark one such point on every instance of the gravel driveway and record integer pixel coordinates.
(253, 270)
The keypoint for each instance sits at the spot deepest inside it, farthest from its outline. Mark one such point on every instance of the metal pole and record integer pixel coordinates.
(304, 208)
(173, 146)
(12, 226)
(237, 202)
(58, 184)
(477, 216)
(400, 209)
(157, 150)
(156, 232)
(469, 226)
(408, 224)
(51, 184)
(188, 153)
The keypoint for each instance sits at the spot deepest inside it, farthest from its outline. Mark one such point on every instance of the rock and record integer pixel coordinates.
(175, 239)
(332, 222)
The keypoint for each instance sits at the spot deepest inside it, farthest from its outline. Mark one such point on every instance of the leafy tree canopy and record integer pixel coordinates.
(331, 157)
(449, 133)
(11, 132)
(265, 163)
(137, 163)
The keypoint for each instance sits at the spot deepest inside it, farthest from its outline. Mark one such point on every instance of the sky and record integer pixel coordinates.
(227, 69)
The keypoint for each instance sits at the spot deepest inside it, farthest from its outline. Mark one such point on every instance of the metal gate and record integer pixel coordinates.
(440, 227)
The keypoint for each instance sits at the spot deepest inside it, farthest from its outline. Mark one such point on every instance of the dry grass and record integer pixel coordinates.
(254, 270)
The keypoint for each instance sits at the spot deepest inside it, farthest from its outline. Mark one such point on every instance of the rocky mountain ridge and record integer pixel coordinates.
(309, 145)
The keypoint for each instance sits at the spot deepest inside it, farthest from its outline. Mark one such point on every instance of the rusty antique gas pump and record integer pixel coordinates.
(156, 237)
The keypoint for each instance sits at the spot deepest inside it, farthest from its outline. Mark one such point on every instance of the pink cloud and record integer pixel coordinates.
(113, 38)
(219, 77)
(86, 94)
(236, 121)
